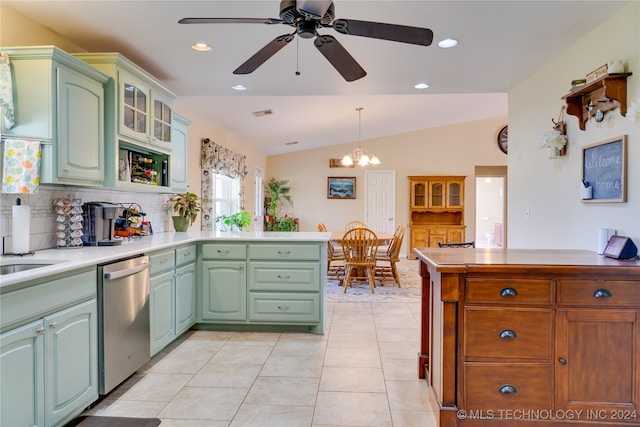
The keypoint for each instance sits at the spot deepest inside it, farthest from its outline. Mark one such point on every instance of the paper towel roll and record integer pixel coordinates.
(604, 234)
(20, 228)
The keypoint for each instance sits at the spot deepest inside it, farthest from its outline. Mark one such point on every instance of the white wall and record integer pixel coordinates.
(550, 188)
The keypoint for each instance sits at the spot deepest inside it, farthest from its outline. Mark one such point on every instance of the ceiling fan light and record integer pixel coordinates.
(347, 160)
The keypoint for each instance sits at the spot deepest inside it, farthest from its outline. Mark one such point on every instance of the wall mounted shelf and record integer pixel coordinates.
(596, 98)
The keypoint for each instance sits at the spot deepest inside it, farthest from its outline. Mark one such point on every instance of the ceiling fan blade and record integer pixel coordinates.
(230, 21)
(261, 56)
(377, 30)
(338, 56)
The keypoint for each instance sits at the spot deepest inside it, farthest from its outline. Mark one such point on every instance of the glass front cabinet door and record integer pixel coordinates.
(134, 108)
(455, 195)
(419, 194)
(436, 194)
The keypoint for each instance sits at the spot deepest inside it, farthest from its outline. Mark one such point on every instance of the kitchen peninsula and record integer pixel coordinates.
(50, 315)
(534, 338)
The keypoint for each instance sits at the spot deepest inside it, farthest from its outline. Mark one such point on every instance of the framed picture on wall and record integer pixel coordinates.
(604, 169)
(341, 187)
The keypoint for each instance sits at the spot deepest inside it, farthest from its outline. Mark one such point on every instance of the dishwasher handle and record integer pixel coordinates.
(126, 271)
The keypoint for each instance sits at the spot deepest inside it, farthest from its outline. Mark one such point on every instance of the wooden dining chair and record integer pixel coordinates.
(335, 258)
(354, 224)
(471, 244)
(360, 246)
(386, 260)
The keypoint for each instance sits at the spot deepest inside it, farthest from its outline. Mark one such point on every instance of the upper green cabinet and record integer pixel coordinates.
(139, 125)
(179, 134)
(60, 101)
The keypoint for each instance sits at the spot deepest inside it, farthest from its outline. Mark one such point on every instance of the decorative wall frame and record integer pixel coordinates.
(604, 169)
(341, 187)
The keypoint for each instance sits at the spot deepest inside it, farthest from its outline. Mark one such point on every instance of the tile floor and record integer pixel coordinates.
(362, 372)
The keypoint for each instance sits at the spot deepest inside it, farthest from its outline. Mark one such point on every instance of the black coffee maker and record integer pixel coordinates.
(99, 220)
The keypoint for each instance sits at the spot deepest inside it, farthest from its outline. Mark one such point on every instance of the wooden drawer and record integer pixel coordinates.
(284, 251)
(507, 333)
(283, 307)
(608, 293)
(224, 251)
(162, 261)
(185, 255)
(514, 386)
(284, 276)
(518, 291)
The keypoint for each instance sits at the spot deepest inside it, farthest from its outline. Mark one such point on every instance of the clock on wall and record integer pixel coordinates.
(503, 139)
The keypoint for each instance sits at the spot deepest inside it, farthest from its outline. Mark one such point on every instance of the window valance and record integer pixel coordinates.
(221, 160)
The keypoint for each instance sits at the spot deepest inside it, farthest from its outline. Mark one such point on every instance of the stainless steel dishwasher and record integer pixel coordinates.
(123, 327)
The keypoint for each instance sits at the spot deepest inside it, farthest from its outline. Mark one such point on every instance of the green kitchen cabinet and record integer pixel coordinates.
(172, 303)
(179, 141)
(138, 124)
(49, 357)
(224, 290)
(59, 101)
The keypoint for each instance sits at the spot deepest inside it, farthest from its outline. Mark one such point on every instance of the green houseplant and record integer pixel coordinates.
(277, 193)
(186, 206)
(239, 220)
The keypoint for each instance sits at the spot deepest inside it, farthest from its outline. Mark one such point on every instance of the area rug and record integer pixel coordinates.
(361, 292)
(95, 421)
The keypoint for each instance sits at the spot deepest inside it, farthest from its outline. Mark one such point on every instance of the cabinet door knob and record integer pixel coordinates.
(507, 389)
(508, 292)
(40, 331)
(602, 293)
(563, 361)
(507, 334)
(53, 325)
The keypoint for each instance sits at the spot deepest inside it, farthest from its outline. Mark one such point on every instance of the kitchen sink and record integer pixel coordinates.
(16, 268)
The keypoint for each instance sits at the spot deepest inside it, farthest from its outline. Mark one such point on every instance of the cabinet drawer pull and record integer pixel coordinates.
(223, 252)
(284, 253)
(507, 334)
(284, 308)
(507, 389)
(509, 292)
(602, 293)
(284, 276)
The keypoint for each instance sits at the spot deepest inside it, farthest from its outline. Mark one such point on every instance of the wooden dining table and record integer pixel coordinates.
(384, 238)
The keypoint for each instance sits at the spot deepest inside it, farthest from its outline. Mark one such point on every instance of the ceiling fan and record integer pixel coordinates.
(307, 16)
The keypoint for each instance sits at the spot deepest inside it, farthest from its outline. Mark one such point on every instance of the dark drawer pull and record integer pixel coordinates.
(507, 334)
(284, 276)
(509, 292)
(602, 293)
(507, 389)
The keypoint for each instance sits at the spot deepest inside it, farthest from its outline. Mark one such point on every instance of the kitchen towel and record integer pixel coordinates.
(21, 166)
(6, 92)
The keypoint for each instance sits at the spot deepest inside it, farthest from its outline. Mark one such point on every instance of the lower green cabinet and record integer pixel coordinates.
(224, 291)
(49, 367)
(172, 297)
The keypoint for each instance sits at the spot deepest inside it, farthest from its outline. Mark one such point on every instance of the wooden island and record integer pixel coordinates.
(535, 338)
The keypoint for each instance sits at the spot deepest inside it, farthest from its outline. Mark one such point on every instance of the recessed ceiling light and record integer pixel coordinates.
(201, 47)
(447, 43)
(422, 85)
(239, 87)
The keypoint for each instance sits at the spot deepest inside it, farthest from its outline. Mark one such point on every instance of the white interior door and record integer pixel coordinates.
(380, 200)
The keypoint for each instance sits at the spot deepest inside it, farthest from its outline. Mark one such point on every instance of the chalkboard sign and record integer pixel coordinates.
(604, 169)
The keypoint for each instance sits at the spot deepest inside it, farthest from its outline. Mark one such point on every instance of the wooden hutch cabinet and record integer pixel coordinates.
(530, 338)
(436, 211)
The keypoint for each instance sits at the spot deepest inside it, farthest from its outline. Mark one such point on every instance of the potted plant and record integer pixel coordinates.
(277, 192)
(286, 223)
(555, 142)
(186, 206)
(239, 220)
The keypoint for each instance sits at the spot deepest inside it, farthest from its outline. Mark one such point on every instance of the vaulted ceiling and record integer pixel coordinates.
(500, 44)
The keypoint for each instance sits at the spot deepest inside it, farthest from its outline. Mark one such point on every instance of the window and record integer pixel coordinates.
(225, 198)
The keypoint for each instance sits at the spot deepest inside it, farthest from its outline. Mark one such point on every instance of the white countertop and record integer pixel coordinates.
(65, 259)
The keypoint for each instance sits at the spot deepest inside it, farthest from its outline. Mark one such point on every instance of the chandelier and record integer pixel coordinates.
(359, 156)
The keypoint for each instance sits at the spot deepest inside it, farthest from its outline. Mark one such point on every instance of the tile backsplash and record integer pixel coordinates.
(43, 217)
